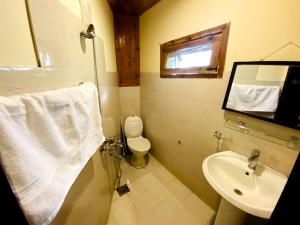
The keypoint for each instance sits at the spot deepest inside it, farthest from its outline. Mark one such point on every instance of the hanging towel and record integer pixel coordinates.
(45, 141)
(253, 98)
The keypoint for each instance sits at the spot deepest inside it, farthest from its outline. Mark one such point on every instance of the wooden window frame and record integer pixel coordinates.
(218, 36)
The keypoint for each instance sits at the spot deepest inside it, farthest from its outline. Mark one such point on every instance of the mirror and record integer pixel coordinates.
(267, 90)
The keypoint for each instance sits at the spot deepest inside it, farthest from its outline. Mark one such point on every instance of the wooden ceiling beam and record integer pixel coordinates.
(131, 7)
(144, 5)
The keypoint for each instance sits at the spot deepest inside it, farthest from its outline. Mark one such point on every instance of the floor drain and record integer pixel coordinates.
(123, 190)
(237, 191)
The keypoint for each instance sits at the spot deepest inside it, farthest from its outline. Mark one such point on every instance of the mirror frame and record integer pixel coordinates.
(235, 64)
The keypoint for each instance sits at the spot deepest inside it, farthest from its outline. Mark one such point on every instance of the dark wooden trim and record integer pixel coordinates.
(192, 70)
(235, 64)
(218, 36)
(192, 42)
(223, 50)
(145, 5)
(198, 35)
(129, 84)
(127, 49)
(132, 7)
(189, 76)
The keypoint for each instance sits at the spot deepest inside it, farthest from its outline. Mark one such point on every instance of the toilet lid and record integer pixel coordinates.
(140, 144)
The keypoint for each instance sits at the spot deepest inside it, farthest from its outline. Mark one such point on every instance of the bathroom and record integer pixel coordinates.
(42, 49)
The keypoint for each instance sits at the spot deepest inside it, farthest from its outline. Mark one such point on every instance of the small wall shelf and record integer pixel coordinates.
(292, 142)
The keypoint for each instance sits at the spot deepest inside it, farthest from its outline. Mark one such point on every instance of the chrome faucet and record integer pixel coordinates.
(253, 159)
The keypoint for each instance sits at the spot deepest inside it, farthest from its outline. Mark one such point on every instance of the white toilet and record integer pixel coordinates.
(138, 145)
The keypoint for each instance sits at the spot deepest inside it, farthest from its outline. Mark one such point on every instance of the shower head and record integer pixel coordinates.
(90, 32)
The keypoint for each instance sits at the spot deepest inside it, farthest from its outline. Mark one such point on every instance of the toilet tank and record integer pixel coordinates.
(133, 126)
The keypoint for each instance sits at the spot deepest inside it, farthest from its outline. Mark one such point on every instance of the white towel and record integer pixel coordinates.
(253, 98)
(45, 141)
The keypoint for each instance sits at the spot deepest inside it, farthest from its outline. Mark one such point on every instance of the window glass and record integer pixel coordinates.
(201, 54)
(197, 56)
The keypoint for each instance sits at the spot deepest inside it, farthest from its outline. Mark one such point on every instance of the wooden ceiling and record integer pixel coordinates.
(131, 7)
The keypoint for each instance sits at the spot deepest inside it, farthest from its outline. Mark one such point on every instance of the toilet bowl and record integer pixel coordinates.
(137, 144)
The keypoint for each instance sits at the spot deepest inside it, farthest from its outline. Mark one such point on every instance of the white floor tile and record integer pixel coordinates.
(172, 208)
(138, 173)
(156, 217)
(156, 197)
(178, 189)
(128, 174)
(143, 203)
(153, 163)
(198, 208)
(186, 219)
(120, 201)
(149, 180)
(126, 215)
(163, 174)
(159, 192)
(136, 188)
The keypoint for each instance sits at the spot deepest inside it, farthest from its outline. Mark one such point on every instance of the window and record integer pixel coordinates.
(197, 55)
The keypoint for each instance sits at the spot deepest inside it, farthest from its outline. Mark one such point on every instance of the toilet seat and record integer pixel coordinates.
(139, 144)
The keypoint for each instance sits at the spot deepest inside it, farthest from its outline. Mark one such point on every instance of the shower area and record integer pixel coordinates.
(64, 50)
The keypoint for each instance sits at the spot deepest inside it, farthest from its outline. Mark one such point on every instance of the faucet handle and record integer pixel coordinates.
(253, 159)
(254, 154)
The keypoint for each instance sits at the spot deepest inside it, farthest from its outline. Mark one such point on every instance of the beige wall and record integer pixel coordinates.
(16, 45)
(130, 101)
(189, 110)
(88, 201)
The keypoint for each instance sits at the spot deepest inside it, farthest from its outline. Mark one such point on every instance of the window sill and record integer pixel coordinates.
(192, 75)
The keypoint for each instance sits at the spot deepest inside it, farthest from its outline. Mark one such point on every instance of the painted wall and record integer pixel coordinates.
(189, 110)
(130, 101)
(69, 59)
(16, 45)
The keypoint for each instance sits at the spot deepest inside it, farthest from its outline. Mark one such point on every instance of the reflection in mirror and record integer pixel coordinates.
(266, 90)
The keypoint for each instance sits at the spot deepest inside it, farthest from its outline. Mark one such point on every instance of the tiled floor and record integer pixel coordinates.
(156, 197)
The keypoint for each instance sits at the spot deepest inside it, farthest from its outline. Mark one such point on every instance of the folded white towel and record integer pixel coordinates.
(45, 141)
(253, 98)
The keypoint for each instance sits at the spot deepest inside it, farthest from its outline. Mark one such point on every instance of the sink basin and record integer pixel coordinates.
(255, 192)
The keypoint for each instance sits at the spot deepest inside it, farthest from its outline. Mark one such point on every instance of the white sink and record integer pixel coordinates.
(255, 192)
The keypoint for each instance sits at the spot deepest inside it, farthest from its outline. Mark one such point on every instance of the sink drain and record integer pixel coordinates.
(237, 191)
